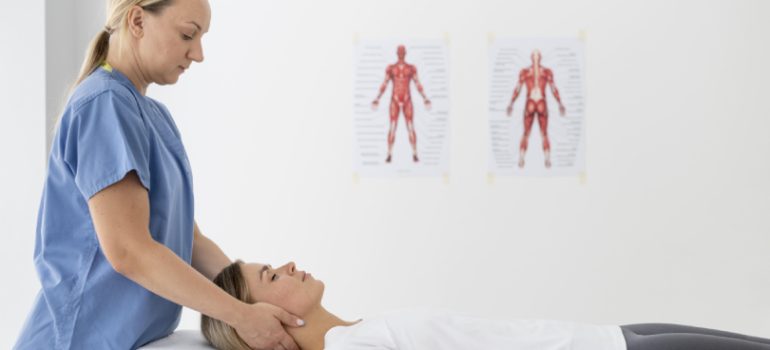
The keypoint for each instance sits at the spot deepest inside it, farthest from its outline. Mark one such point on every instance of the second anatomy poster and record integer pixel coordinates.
(537, 106)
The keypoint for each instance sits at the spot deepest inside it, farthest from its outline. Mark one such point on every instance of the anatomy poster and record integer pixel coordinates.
(537, 107)
(401, 107)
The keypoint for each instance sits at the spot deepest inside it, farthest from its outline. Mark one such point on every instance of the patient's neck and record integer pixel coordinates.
(317, 322)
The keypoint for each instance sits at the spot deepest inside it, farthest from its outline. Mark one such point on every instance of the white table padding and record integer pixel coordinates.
(187, 339)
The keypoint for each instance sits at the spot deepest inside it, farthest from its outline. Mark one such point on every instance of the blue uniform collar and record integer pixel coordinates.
(106, 68)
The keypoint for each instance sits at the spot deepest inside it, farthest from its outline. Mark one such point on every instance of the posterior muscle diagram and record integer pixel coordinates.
(536, 78)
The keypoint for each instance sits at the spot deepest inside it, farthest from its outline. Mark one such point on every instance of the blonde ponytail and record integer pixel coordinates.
(96, 54)
(117, 18)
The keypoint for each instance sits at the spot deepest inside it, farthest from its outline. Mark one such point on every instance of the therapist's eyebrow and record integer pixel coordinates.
(196, 24)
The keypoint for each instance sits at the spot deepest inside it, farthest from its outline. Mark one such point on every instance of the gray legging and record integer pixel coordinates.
(657, 336)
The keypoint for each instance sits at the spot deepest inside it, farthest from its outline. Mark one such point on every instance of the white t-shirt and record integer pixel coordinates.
(441, 330)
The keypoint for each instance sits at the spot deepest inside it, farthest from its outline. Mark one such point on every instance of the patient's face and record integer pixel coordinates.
(293, 290)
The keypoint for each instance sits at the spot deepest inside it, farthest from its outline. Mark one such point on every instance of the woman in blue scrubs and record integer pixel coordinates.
(117, 248)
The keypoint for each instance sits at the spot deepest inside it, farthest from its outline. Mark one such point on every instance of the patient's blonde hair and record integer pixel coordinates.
(220, 334)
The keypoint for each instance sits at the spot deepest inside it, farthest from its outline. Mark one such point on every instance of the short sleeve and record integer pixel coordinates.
(107, 138)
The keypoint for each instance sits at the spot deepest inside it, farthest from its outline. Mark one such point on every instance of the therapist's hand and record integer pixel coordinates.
(260, 327)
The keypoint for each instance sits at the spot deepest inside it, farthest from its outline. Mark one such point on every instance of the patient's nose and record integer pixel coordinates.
(290, 267)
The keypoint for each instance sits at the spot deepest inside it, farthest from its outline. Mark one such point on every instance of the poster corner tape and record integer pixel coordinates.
(583, 35)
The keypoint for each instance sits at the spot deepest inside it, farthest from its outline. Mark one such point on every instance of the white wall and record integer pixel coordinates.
(70, 26)
(22, 151)
(669, 227)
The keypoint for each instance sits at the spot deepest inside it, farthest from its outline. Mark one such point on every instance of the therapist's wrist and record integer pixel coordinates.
(236, 314)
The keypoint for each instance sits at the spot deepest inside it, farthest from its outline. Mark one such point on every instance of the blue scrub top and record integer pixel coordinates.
(107, 130)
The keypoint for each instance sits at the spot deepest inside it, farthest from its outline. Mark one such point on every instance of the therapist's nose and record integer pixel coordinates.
(196, 52)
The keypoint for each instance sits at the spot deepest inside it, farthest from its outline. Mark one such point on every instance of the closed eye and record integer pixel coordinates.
(186, 37)
(275, 277)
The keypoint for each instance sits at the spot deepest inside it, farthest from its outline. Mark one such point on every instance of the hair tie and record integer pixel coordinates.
(107, 29)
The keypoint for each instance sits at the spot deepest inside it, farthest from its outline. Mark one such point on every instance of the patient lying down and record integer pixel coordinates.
(299, 293)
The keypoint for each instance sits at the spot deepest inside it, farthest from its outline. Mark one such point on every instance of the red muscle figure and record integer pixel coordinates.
(536, 77)
(401, 73)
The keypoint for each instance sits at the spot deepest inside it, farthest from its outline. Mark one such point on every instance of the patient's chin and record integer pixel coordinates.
(309, 302)
(318, 293)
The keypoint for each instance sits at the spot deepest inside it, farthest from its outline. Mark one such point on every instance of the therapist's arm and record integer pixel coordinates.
(121, 216)
(207, 257)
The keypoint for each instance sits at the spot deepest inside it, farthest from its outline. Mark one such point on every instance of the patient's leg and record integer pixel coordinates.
(655, 336)
(659, 328)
